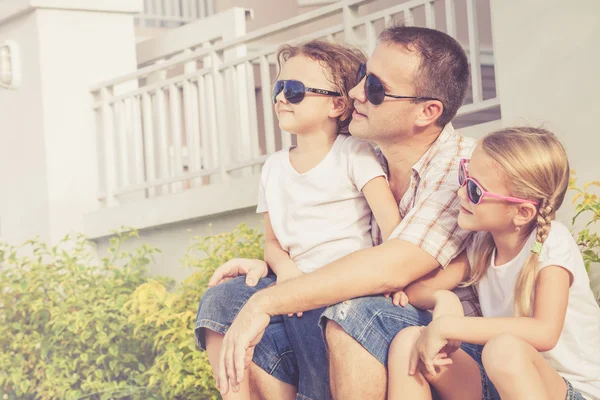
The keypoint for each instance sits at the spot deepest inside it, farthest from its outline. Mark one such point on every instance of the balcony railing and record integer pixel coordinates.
(201, 114)
(173, 13)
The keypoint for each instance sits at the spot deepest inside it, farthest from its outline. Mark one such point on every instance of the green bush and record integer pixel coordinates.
(180, 371)
(587, 205)
(63, 330)
(72, 327)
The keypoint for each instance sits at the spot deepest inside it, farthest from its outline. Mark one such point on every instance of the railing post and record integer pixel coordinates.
(109, 158)
(450, 9)
(474, 51)
(349, 14)
(221, 116)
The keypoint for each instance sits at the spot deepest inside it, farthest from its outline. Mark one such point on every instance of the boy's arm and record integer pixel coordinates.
(382, 204)
(278, 259)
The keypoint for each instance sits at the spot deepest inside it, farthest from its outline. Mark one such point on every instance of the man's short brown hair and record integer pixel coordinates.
(342, 62)
(444, 70)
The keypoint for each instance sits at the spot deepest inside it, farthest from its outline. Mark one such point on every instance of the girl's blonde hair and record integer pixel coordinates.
(343, 63)
(535, 168)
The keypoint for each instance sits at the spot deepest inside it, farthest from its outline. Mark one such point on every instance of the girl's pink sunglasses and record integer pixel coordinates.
(475, 192)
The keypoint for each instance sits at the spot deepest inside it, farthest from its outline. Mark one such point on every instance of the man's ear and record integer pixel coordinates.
(429, 113)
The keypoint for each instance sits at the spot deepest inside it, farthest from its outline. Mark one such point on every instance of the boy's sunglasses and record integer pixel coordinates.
(294, 91)
(375, 91)
(475, 192)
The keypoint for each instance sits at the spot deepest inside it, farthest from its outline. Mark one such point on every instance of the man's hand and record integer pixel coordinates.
(253, 269)
(238, 346)
(288, 273)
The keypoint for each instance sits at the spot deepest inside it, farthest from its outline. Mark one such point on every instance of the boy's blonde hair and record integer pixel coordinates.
(342, 62)
(536, 168)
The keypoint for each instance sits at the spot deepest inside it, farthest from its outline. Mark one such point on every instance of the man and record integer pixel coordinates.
(416, 80)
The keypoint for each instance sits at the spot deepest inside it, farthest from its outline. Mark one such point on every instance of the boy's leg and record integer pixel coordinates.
(217, 310)
(213, 348)
(306, 339)
(519, 371)
(359, 333)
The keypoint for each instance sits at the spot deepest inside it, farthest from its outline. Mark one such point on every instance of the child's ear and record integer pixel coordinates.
(429, 113)
(525, 214)
(339, 107)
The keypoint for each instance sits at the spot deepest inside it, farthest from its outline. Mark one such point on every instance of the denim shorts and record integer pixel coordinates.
(291, 350)
(374, 321)
(572, 393)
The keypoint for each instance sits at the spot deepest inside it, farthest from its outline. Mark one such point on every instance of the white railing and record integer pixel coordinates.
(205, 115)
(173, 13)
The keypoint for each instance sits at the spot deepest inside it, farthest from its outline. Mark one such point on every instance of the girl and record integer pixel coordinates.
(317, 198)
(540, 329)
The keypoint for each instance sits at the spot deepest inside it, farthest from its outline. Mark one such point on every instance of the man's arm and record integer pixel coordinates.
(385, 268)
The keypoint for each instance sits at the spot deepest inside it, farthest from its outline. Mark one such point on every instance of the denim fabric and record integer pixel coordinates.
(292, 349)
(374, 321)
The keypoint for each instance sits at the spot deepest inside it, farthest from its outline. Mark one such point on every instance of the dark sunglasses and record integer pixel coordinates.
(475, 192)
(294, 91)
(375, 91)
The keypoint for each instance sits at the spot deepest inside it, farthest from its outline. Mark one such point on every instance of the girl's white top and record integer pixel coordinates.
(321, 215)
(576, 356)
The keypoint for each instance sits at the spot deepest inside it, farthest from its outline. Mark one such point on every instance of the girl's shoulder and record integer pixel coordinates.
(560, 247)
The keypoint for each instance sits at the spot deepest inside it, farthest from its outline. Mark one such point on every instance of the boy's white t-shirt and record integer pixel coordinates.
(321, 215)
(576, 356)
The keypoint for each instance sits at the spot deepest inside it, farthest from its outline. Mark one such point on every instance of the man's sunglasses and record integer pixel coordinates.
(375, 91)
(475, 192)
(294, 91)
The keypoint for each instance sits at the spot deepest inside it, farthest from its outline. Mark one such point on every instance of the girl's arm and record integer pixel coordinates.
(542, 330)
(382, 204)
(433, 291)
(278, 259)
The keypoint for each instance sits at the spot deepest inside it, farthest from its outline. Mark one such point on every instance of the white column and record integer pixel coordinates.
(48, 156)
(546, 66)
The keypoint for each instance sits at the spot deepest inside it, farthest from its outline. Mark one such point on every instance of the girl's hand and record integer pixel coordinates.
(428, 349)
(398, 298)
(451, 347)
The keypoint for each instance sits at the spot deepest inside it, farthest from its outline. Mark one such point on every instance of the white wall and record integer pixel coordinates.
(547, 74)
(173, 240)
(48, 168)
(24, 199)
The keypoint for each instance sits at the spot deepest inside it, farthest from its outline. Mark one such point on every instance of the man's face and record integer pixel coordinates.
(392, 120)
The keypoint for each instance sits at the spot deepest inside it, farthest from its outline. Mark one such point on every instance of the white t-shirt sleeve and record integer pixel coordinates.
(262, 206)
(362, 162)
(558, 250)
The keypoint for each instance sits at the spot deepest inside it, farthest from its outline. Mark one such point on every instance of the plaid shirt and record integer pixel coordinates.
(429, 207)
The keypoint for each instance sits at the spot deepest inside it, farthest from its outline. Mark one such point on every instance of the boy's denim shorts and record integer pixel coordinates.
(374, 321)
(307, 369)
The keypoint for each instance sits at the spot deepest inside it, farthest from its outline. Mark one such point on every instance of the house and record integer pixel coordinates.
(155, 114)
